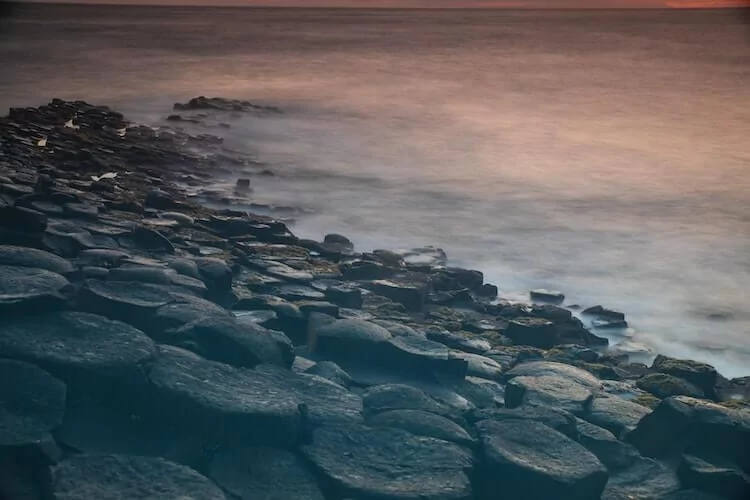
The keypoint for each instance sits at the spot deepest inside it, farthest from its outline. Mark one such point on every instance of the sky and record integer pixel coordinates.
(432, 3)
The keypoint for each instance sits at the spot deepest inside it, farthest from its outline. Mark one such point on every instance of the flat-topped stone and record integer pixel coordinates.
(253, 473)
(389, 464)
(32, 403)
(527, 459)
(221, 401)
(31, 257)
(114, 477)
(549, 368)
(27, 289)
(79, 347)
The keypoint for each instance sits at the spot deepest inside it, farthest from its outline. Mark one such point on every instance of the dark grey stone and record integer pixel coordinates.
(554, 418)
(114, 477)
(77, 347)
(32, 403)
(423, 423)
(260, 473)
(681, 423)
(331, 371)
(617, 415)
(646, 478)
(546, 390)
(26, 290)
(31, 257)
(221, 337)
(220, 401)
(398, 397)
(613, 453)
(714, 475)
(389, 464)
(527, 459)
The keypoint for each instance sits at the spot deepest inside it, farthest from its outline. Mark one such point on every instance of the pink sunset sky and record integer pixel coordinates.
(432, 3)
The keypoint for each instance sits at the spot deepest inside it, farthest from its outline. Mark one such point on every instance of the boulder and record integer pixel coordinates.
(613, 453)
(557, 419)
(389, 397)
(330, 371)
(80, 348)
(111, 477)
(552, 369)
(27, 289)
(169, 318)
(389, 464)
(454, 341)
(31, 257)
(556, 392)
(220, 401)
(603, 312)
(422, 423)
(646, 478)
(479, 366)
(527, 459)
(222, 338)
(325, 403)
(216, 274)
(357, 342)
(683, 424)
(536, 332)
(254, 473)
(345, 296)
(549, 296)
(412, 296)
(663, 386)
(714, 475)
(701, 375)
(123, 299)
(617, 415)
(350, 338)
(32, 403)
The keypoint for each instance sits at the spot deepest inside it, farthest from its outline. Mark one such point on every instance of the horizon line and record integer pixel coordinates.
(696, 5)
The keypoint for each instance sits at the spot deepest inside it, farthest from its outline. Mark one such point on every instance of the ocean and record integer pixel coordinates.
(605, 154)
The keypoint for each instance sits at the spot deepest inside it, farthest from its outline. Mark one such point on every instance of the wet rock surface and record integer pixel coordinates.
(364, 462)
(140, 329)
(527, 459)
(120, 476)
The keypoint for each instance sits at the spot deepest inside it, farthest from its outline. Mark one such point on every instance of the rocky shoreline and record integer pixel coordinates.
(151, 347)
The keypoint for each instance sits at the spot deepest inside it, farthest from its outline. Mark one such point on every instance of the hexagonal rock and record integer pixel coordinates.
(556, 392)
(681, 423)
(31, 257)
(662, 385)
(527, 459)
(389, 464)
(27, 289)
(646, 478)
(422, 423)
(702, 375)
(411, 296)
(221, 401)
(550, 368)
(615, 414)
(32, 402)
(115, 477)
(253, 473)
(537, 332)
(77, 347)
(222, 338)
(389, 397)
(612, 452)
